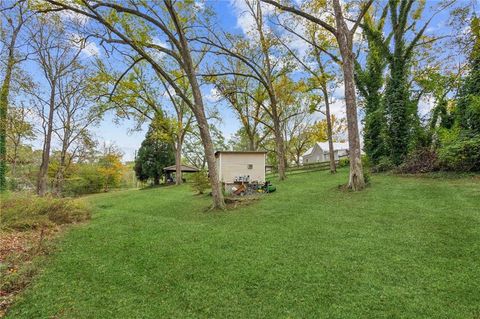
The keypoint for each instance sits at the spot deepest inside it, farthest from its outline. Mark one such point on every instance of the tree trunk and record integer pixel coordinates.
(42, 174)
(251, 143)
(178, 161)
(331, 150)
(4, 93)
(199, 112)
(280, 149)
(60, 176)
(356, 180)
(277, 129)
(15, 160)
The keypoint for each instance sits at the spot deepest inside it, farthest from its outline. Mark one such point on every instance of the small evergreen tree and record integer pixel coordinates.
(154, 155)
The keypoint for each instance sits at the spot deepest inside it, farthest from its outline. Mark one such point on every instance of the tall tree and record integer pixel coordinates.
(138, 26)
(316, 63)
(14, 15)
(468, 108)
(400, 108)
(57, 57)
(75, 114)
(344, 36)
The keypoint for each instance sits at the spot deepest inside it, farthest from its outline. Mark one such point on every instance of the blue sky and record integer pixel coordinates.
(230, 18)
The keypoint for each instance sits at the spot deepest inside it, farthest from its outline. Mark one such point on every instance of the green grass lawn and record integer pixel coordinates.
(403, 248)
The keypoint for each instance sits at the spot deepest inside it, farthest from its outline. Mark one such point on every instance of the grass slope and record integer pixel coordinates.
(404, 248)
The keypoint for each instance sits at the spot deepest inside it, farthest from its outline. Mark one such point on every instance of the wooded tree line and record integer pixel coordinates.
(281, 78)
(53, 107)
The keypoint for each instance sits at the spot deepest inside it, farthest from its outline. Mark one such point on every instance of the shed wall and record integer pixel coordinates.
(236, 164)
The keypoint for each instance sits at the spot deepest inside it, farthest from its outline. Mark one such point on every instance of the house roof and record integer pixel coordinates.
(324, 146)
(239, 152)
(185, 168)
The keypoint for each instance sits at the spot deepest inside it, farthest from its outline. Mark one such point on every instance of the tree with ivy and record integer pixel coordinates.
(370, 81)
(467, 113)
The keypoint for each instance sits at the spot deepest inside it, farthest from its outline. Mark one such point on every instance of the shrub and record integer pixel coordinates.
(422, 160)
(343, 162)
(366, 177)
(461, 155)
(24, 212)
(200, 182)
(385, 164)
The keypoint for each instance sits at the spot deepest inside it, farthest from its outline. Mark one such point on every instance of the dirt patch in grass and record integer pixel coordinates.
(234, 202)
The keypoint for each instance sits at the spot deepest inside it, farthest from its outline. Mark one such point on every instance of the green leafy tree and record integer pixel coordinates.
(468, 106)
(399, 108)
(154, 155)
(13, 17)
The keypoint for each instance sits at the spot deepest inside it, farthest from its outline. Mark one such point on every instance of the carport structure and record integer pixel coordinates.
(170, 172)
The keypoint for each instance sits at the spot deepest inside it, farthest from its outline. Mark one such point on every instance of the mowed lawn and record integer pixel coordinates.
(404, 248)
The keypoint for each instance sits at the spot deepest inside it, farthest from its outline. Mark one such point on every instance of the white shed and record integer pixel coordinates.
(241, 166)
(320, 152)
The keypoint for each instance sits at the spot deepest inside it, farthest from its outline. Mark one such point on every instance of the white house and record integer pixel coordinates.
(320, 152)
(236, 167)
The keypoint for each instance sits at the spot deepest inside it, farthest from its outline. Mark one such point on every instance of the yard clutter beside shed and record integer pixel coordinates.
(240, 167)
(320, 152)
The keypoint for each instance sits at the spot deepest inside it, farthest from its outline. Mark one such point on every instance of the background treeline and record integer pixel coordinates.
(394, 82)
(376, 74)
(49, 108)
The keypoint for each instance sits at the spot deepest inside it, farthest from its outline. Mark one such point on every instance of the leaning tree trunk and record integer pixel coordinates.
(331, 151)
(356, 180)
(199, 112)
(42, 174)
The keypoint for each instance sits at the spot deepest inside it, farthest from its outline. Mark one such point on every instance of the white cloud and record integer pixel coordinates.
(213, 96)
(91, 49)
(245, 20)
(200, 4)
(158, 54)
(425, 105)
